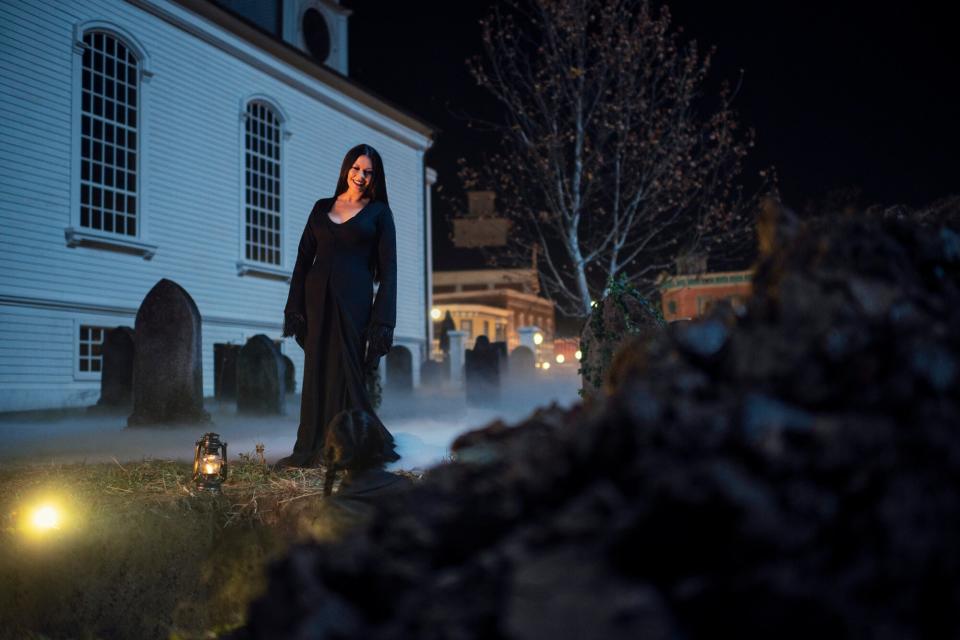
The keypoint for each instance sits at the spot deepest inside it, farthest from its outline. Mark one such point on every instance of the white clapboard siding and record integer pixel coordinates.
(190, 192)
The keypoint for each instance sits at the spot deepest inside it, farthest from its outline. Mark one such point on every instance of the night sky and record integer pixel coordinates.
(841, 94)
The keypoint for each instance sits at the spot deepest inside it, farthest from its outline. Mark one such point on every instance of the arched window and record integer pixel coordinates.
(109, 140)
(262, 200)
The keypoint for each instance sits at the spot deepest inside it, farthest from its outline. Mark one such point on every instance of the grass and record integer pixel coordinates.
(140, 553)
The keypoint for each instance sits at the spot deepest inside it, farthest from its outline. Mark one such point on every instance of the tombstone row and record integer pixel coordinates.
(157, 366)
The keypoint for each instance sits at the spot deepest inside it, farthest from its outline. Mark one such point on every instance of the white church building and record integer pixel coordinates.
(179, 139)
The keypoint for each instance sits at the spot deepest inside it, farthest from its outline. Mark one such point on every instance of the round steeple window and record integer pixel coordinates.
(316, 35)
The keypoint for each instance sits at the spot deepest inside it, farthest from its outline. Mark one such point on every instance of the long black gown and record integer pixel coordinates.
(332, 286)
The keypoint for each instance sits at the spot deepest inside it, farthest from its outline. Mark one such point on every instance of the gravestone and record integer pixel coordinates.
(116, 379)
(521, 363)
(457, 342)
(225, 370)
(482, 370)
(432, 373)
(261, 377)
(399, 370)
(289, 375)
(167, 365)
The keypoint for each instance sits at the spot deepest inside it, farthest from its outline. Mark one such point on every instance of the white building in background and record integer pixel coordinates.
(179, 139)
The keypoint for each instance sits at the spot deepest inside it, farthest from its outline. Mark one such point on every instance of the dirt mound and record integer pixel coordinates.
(790, 472)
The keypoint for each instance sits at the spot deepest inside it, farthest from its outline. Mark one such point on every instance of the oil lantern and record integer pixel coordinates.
(210, 462)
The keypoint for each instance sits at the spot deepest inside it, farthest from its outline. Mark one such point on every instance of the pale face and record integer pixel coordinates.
(359, 176)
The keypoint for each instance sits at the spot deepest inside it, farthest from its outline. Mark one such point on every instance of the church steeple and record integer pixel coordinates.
(319, 29)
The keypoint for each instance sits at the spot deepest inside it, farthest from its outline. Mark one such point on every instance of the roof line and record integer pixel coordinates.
(285, 53)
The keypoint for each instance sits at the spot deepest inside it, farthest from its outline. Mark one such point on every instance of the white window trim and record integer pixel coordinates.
(74, 234)
(245, 267)
(107, 322)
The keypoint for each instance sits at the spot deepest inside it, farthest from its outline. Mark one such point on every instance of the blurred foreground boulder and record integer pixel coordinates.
(788, 472)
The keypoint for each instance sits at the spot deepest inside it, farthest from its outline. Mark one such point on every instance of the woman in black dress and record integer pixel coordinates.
(349, 243)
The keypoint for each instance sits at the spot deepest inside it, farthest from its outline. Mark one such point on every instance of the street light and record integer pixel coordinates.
(435, 313)
(560, 358)
(546, 365)
(578, 354)
(537, 338)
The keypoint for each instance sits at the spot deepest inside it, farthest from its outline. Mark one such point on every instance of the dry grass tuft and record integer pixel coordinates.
(139, 537)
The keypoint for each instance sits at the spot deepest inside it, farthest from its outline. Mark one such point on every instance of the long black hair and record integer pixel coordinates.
(377, 189)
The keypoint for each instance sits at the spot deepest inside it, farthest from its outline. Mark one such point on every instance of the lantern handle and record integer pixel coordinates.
(225, 463)
(196, 460)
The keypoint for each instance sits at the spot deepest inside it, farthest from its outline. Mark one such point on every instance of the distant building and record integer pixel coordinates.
(492, 302)
(481, 226)
(181, 139)
(686, 297)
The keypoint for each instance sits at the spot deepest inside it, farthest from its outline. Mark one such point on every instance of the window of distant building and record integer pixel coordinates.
(263, 137)
(467, 326)
(501, 333)
(109, 135)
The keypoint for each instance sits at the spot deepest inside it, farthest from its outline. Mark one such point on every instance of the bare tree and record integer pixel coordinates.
(613, 161)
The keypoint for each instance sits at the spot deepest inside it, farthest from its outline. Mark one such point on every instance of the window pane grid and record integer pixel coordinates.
(91, 345)
(262, 193)
(108, 167)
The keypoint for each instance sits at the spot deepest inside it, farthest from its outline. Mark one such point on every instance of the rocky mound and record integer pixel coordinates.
(791, 472)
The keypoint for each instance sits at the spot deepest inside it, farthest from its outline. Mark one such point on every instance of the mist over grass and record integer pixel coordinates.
(424, 424)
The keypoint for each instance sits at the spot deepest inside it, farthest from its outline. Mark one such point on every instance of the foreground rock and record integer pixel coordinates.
(792, 473)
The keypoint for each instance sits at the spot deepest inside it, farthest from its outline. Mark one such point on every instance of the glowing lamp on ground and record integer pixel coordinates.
(560, 358)
(578, 354)
(538, 338)
(435, 313)
(210, 462)
(45, 518)
(546, 365)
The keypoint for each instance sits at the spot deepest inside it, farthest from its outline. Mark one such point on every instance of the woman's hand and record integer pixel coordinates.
(379, 340)
(294, 324)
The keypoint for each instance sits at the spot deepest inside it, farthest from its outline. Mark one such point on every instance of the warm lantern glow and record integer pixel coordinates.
(435, 313)
(546, 365)
(211, 464)
(578, 354)
(560, 358)
(45, 517)
(537, 338)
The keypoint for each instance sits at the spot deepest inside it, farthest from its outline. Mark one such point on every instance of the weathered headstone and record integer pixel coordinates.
(482, 369)
(521, 363)
(399, 370)
(261, 377)
(290, 374)
(225, 370)
(116, 379)
(432, 373)
(455, 356)
(167, 369)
